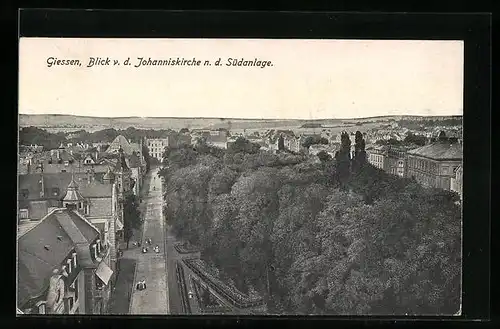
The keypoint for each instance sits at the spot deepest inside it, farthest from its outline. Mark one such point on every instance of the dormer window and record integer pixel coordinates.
(64, 272)
(66, 163)
(70, 206)
(94, 250)
(55, 191)
(41, 307)
(23, 213)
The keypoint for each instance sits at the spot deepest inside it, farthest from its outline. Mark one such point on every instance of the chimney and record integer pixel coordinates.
(94, 250)
(96, 155)
(42, 185)
(90, 175)
(70, 267)
(58, 154)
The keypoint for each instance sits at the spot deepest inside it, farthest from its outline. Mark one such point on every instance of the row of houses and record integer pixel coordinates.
(82, 158)
(437, 165)
(69, 228)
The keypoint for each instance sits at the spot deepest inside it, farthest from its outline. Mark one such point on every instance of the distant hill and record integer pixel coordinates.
(66, 123)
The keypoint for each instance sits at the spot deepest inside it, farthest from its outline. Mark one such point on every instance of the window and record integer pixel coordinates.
(70, 303)
(23, 213)
(98, 283)
(75, 285)
(25, 193)
(63, 170)
(40, 307)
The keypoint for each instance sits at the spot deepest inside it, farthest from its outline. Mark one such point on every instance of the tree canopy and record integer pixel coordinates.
(309, 242)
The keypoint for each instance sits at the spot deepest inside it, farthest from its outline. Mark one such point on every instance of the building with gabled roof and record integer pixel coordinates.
(434, 165)
(96, 200)
(62, 266)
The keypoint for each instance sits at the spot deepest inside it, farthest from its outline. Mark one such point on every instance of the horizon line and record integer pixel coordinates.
(235, 118)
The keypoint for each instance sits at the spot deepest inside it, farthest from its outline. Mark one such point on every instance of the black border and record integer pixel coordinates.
(475, 29)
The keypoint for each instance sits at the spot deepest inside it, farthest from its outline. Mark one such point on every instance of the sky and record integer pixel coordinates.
(308, 79)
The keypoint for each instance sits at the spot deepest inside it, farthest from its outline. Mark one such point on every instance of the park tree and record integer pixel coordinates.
(442, 136)
(257, 199)
(359, 158)
(324, 156)
(243, 145)
(315, 139)
(281, 143)
(34, 135)
(343, 159)
(147, 157)
(131, 217)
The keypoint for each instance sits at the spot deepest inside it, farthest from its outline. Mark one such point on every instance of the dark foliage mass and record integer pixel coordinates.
(334, 237)
(33, 135)
(132, 219)
(315, 139)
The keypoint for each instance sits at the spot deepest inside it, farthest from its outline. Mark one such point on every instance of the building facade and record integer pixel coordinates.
(156, 147)
(435, 165)
(396, 161)
(377, 156)
(62, 266)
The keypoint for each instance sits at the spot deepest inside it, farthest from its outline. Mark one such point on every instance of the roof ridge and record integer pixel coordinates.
(85, 220)
(74, 233)
(38, 222)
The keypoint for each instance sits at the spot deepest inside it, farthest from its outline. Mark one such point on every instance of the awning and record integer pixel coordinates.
(104, 272)
(119, 225)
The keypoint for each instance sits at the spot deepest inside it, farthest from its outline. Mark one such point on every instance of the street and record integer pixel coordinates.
(151, 266)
